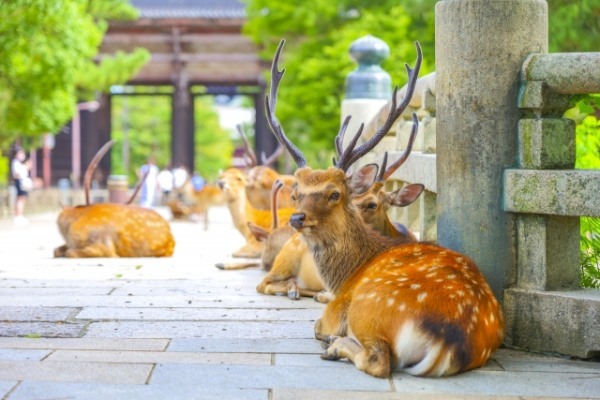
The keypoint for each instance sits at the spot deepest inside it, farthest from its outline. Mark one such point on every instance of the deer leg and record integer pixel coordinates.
(373, 359)
(60, 251)
(236, 266)
(334, 321)
(92, 250)
(324, 296)
(277, 288)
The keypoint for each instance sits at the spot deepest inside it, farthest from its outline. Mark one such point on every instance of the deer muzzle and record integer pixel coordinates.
(297, 220)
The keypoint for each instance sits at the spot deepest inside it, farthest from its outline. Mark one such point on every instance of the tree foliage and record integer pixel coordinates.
(46, 61)
(574, 25)
(316, 58)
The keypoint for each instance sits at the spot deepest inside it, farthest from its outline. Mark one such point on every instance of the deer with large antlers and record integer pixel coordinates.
(293, 269)
(112, 230)
(418, 307)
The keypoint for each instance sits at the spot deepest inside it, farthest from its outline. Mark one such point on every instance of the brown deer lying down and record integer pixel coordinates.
(417, 307)
(112, 230)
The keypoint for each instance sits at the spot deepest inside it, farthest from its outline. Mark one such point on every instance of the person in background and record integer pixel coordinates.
(165, 183)
(20, 174)
(148, 190)
(197, 181)
(180, 178)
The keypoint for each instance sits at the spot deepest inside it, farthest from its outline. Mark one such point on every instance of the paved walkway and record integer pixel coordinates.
(178, 328)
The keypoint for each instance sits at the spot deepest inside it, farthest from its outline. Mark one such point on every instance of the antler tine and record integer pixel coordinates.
(247, 147)
(273, 157)
(339, 139)
(271, 103)
(277, 185)
(381, 175)
(395, 112)
(404, 156)
(87, 177)
(138, 187)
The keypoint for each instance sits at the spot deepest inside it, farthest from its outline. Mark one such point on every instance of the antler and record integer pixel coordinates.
(249, 152)
(339, 138)
(277, 185)
(351, 155)
(87, 177)
(273, 157)
(138, 187)
(386, 173)
(271, 103)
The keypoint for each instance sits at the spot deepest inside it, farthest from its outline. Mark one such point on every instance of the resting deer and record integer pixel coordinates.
(112, 230)
(294, 271)
(418, 307)
(233, 182)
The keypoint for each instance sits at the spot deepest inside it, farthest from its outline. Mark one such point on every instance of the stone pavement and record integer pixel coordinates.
(178, 328)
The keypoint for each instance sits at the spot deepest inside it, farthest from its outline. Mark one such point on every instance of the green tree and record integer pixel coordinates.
(46, 61)
(316, 58)
(574, 25)
(213, 144)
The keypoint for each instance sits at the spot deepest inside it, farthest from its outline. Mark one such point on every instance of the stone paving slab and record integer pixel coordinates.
(488, 383)
(74, 372)
(42, 329)
(303, 394)
(84, 344)
(242, 345)
(207, 329)
(83, 391)
(332, 377)
(197, 314)
(54, 291)
(221, 301)
(36, 313)
(23, 354)
(158, 357)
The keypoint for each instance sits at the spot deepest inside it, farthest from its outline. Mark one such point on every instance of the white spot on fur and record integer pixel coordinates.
(390, 302)
(415, 286)
(421, 297)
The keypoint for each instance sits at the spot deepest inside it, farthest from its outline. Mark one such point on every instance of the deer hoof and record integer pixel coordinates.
(293, 294)
(331, 355)
(221, 266)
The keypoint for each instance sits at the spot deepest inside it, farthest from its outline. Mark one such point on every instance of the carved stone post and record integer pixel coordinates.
(480, 47)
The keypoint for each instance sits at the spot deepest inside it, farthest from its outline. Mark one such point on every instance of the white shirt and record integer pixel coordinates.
(165, 180)
(19, 169)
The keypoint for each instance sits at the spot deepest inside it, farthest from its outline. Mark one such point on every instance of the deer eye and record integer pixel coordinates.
(334, 196)
(372, 206)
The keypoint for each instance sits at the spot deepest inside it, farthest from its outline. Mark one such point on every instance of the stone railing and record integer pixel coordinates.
(547, 197)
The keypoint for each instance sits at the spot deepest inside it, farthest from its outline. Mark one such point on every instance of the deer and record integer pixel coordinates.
(411, 306)
(294, 271)
(110, 229)
(232, 182)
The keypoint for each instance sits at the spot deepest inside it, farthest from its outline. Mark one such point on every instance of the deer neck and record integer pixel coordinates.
(340, 252)
(237, 209)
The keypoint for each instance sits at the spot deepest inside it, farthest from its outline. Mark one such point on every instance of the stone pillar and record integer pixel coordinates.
(369, 87)
(480, 47)
(182, 125)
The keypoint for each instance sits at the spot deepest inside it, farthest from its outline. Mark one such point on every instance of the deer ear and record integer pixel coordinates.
(362, 179)
(260, 233)
(407, 195)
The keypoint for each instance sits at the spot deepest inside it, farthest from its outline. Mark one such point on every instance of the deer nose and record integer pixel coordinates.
(297, 220)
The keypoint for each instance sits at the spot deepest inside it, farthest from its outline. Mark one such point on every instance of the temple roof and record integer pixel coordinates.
(217, 9)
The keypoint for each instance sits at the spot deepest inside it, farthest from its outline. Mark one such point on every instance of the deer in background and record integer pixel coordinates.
(233, 184)
(418, 307)
(112, 230)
